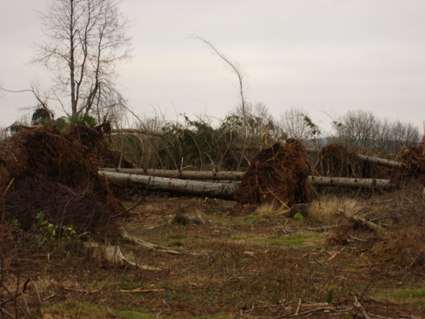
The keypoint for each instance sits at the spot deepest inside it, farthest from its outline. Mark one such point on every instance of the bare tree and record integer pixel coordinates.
(362, 130)
(85, 42)
(358, 129)
(296, 123)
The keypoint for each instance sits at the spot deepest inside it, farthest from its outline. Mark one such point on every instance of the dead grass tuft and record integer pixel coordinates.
(271, 209)
(326, 208)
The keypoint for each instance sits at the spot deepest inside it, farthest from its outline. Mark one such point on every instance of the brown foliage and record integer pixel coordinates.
(279, 172)
(413, 159)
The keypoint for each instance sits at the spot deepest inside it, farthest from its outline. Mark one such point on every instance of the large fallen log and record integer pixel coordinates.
(380, 161)
(207, 189)
(202, 175)
(227, 190)
(351, 182)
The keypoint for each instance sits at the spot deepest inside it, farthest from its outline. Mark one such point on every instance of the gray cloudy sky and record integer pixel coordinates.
(323, 56)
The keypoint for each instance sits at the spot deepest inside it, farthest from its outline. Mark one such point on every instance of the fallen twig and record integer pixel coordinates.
(113, 254)
(334, 309)
(358, 305)
(298, 307)
(86, 292)
(148, 245)
(7, 188)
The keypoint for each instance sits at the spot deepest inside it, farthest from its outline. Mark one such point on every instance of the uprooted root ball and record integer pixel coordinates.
(279, 173)
(42, 171)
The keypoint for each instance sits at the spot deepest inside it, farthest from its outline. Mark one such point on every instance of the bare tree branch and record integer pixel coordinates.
(235, 68)
(85, 42)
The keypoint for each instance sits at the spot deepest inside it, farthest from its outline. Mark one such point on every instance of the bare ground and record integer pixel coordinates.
(240, 263)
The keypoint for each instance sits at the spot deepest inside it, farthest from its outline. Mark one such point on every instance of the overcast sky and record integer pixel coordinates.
(322, 56)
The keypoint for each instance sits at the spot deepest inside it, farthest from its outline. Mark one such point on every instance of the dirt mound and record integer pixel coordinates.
(278, 173)
(45, 171)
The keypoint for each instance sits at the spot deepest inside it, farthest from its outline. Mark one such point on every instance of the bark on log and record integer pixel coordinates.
(203, 175)
(226, 175)
(217, 190)
(351, 182)
(380, 161)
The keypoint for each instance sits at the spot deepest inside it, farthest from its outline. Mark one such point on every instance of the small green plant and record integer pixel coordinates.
(49, 230)
(83, 120)
(15, 222)
(299, 216)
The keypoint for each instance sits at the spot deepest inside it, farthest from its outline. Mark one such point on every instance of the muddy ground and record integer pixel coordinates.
(228, 263)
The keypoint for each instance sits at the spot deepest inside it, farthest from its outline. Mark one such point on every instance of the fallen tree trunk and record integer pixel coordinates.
(203, 175)
(227, 190)
(227, 175)
(380, 161)
(207, 189)
(351, 182)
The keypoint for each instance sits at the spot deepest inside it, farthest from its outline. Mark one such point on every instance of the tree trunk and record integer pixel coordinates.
(207, 189)
(351, 182)
(380, 161)
(226, 190)
(203, 175)
(227, 175)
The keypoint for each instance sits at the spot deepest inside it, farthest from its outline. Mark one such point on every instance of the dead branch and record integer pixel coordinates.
(363, 221)
(146, 244)
(358, 305)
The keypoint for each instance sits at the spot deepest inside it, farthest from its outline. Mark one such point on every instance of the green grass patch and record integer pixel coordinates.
(249, 220)
(129, 286)
(414, 293)
(129, 314)
(76, 309)
(221, 220)
(246, 237)
(177, 236)
(217, 210)
(174, 243)
(413, 296)
(128, 205)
